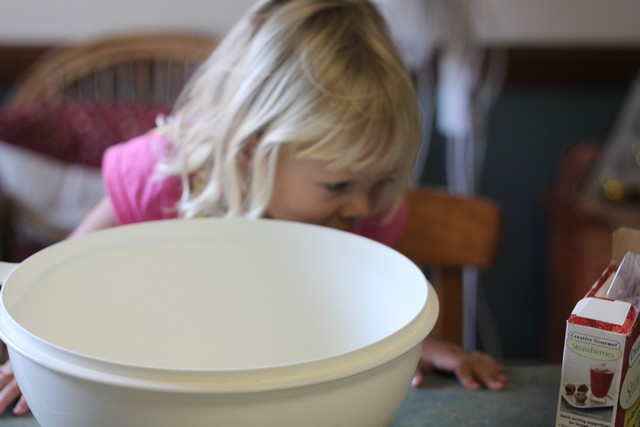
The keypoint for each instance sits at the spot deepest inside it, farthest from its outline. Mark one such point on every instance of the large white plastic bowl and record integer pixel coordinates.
(216, 323)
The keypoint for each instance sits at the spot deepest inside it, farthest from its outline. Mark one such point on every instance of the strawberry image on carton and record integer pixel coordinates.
(600, 383)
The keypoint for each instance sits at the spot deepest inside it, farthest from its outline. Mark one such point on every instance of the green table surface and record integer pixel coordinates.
(530, 399)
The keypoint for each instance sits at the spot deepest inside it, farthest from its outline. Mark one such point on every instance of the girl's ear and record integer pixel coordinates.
(248, 150)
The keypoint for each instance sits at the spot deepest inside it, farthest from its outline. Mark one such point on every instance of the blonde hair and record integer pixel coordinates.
(318, 78)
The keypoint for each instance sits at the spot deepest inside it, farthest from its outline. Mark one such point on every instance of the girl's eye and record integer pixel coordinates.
(337, 187)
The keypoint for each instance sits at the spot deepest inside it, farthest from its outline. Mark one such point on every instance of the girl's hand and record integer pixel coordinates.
(9, 391)
(472, 368)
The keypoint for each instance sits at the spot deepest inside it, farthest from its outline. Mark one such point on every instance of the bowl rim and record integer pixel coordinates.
(69, 362)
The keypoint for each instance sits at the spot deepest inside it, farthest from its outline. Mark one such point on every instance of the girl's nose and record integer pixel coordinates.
(357, 207)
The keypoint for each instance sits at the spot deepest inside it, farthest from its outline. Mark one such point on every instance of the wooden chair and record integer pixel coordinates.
(140, 73)
(141, 67)
(446, 233)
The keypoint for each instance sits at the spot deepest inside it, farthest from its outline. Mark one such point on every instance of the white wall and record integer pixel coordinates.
(507, 22)
(47, 21)
(522, 22)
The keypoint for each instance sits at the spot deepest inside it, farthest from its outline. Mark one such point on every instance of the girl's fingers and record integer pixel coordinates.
(21, 407)
(417, 379)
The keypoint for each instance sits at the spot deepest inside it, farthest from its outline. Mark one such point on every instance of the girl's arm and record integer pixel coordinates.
(101, 216)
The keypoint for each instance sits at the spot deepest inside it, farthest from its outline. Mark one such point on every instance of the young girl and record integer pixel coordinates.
(305, 113)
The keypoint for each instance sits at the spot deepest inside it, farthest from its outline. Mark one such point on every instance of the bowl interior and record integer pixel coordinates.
(215, 294)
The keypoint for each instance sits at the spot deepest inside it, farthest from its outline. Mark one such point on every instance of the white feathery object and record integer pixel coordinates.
(415, 26)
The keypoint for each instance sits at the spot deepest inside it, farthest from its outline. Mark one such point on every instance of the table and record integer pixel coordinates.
(529, 400)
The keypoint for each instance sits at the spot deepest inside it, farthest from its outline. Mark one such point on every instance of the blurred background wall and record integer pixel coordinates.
(511, 22)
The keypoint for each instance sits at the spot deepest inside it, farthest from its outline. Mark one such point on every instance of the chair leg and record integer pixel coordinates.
(469, 307)
(448, 286)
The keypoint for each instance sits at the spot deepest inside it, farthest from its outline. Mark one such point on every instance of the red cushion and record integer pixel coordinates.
(76, 132)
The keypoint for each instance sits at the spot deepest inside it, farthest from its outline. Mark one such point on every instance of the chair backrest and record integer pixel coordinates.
(446, 233)
(142, 67)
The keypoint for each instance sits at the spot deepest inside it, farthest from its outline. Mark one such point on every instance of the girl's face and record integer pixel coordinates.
(306, 191)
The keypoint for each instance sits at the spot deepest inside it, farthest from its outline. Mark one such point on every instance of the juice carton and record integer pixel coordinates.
(600, 382)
